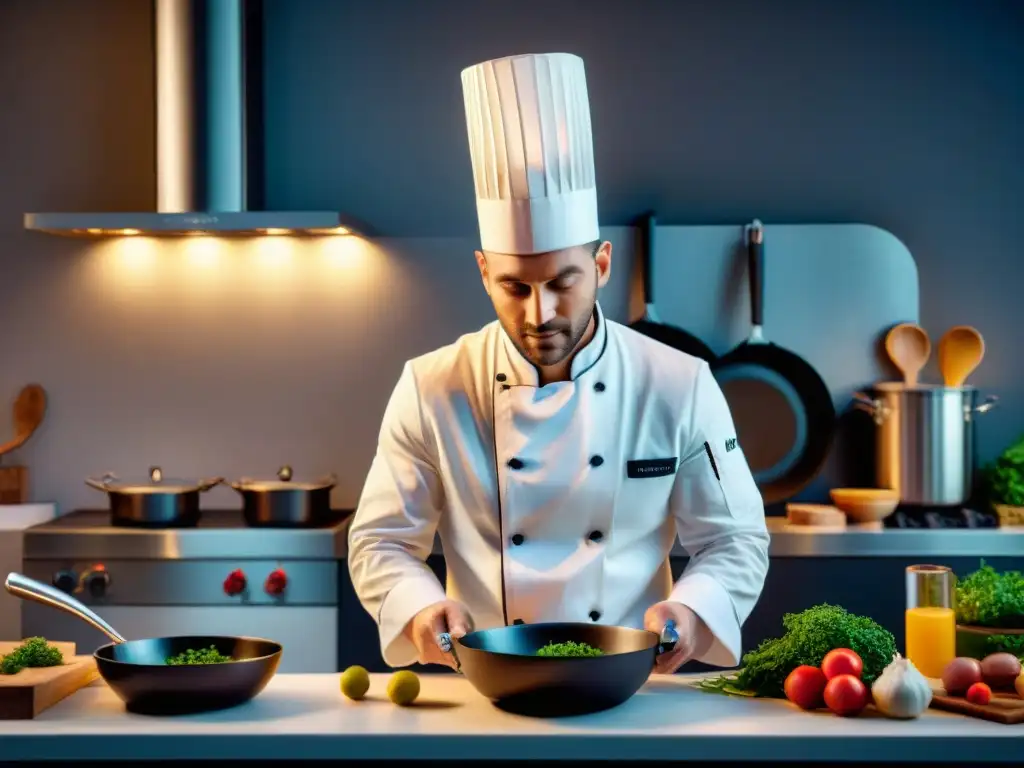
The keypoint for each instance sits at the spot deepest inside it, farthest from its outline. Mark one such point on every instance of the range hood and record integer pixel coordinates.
(208, 106)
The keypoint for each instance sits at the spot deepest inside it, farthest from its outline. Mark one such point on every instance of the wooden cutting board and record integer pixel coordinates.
(25, 694)
(1006, 708)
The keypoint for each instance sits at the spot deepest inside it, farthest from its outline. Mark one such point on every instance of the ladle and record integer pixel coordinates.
(909, 348)
(29, 409)
(961, 350)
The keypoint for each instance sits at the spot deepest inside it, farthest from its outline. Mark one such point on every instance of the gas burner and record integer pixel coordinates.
(908, 516)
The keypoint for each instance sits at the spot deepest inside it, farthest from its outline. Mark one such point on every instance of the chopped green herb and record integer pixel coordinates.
(202, 656)
(34, 652)
(569, 648)
(809, 636)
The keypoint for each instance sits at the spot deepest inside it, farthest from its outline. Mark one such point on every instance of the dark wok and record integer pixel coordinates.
(501, 663)
(136, 670)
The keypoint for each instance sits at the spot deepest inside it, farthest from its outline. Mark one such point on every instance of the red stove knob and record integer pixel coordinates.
(235, 583)
(276, 582)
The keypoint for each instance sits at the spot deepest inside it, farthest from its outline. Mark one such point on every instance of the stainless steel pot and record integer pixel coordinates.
(157, 502)
(285, 501)
(924, 443)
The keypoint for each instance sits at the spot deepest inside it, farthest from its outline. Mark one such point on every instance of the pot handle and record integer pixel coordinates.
(447, 645)
(669, 637)
(205, 485)
(876, 408)
(990, 402)
(30, 589)
(102, 484)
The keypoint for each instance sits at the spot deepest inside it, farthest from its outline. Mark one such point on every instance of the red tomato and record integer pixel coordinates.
(805, 687)
(979, 693)
(842, 661)
(846, 695)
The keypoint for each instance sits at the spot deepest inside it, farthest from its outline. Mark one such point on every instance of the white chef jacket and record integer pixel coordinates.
(561, 502)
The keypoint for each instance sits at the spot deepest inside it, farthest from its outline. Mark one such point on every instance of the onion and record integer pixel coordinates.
(960, 674)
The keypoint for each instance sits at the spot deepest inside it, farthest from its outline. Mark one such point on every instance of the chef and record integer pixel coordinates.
(556, 453)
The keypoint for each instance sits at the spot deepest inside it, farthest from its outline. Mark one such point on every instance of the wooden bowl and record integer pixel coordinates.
(865, 505)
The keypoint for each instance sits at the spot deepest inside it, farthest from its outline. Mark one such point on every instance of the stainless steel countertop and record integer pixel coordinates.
(220, 535)
(875, 541)
(69, 537)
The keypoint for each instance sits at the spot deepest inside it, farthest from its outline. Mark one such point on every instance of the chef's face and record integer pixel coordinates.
(545, 302)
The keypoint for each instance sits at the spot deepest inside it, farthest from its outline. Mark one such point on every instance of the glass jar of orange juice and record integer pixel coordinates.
(930, 618)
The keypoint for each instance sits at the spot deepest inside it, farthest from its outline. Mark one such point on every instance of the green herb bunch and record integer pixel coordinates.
(34, 652)
(201, 656)
(569, 648)
(808, 637)
(987, 598)
(1003, 479)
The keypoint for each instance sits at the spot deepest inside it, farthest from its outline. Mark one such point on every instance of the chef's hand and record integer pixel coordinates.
(688, 627)
(425, 627)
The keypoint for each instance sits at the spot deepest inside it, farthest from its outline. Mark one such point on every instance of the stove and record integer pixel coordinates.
(219, 576)
(911, 516)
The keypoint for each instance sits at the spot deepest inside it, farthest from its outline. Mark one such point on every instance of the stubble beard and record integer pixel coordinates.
(552, 351)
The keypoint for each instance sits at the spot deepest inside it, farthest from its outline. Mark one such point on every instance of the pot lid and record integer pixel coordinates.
(156, 482)
(285, 481)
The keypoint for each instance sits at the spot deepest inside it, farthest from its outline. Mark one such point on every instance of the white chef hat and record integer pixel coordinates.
(528, 119)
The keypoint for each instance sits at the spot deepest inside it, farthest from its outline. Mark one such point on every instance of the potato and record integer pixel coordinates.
(999, 670)
(960, 674)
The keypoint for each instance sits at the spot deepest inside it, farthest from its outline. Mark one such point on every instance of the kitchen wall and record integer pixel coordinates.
(233, 359)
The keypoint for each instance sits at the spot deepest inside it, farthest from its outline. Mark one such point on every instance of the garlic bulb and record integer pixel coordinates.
(901, 691)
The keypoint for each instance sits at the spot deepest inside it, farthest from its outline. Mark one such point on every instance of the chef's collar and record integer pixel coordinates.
(516, 367)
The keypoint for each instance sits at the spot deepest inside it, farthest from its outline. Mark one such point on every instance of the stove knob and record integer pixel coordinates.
(276, 582)
(96, 581)
(235, 583)
(65, 581)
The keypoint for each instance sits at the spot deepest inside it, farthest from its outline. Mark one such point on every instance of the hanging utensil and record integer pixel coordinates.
(286, 501)
(961, 350)
(153, 502)
(29, 410)
(503, 665)
(909, 348)
(138, 672)
(649, 324)
(783, 411)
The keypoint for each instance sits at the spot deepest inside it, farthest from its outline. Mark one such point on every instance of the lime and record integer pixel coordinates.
(355, 682)
(403, 687)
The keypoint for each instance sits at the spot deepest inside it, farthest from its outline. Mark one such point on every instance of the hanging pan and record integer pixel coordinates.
(783, 411)
(649, 325)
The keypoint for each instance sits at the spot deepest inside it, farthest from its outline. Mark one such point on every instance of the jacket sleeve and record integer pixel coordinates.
(392, 530)
(720, 521)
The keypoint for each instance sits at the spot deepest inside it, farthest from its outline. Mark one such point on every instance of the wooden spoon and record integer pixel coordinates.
(29, 409)
(961, 350)
(908, 347)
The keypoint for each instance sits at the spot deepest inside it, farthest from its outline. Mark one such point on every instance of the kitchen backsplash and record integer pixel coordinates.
(229, 358)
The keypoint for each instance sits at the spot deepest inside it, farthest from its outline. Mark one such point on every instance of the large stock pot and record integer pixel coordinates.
(924, 440)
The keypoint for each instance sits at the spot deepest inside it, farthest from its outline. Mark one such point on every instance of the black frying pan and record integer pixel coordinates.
(784, 415)
(649, 325)
(136, 670)
(503, 665)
